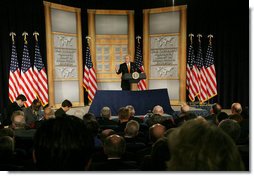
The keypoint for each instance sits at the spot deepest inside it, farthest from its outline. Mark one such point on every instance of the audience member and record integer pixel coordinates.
(132, 114)
(104, 119)
(123, 116)
(221, 116)
(197, 146)
(214, 111)
(114, 148)
(15, 106)
(156, 131)
(32, 113)
(65, 106)
(62, 144)
(236, 108)
(88, 117)
(231, 127)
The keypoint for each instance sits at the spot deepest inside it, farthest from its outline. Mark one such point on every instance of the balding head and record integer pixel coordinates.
(185, 108)
(156, 131)
(114, 146)
(105, 133)
(106, 112)
(158, 110)
(236, 108)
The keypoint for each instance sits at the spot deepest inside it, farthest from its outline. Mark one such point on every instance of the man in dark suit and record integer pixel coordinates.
(126, 67)
(15, 106)
(66, 106)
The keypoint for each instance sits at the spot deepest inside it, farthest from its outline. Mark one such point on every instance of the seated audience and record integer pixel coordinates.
(65, 106)
(62, 144)
(201, 146)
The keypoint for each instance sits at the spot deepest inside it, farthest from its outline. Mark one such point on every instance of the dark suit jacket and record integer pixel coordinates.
(125, 84)
(60, 112)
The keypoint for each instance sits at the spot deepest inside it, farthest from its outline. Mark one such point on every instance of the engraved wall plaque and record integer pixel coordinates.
(164, 57)
(65, 57)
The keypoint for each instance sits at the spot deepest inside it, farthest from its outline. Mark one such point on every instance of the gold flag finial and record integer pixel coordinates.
(12, 34)
(25, 34)
(210, 36)
(138, 38)
(36, 34)
(191, 36)
(199, 37)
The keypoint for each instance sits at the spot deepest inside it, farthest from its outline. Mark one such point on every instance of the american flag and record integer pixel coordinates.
(14, 75)
(89, 79)
(139, 64)
(27, 84)
(192, 75)
(211, 83)
(40, 77)
(202, 75)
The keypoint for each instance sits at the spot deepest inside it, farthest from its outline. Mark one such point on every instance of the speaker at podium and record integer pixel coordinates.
(134, 77)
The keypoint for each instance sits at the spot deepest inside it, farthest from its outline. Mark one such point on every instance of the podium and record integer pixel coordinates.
(134, 77)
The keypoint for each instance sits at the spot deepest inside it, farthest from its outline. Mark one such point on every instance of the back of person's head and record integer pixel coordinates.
(216, 108)
(6, 146)
(236, 117)
(105, 133)
(93, 126)
(153, 119)
(156, 131)
(221, 116)
(231, 127)
(67, 103)
(131, 129)
(6, 132)
(88, 117)
(123, 114)
(36, 104)
(236, 108)
(160, 154)
(62, 144)
(49, 113)
(158, 110)
(18, 120)
(21, 97)
(185, 108)
(131, 109)
(106, 112)
(199, 146)
(114, 146)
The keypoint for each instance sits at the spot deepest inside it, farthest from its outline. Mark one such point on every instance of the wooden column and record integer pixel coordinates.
(80, 57)
(146, 45)
(49, 53)
(91, 33)
(182, 54)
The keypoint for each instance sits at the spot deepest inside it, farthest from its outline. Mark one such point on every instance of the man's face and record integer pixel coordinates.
(127, 59)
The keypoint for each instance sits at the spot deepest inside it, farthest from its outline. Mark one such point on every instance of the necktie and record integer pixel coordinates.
(128, 65)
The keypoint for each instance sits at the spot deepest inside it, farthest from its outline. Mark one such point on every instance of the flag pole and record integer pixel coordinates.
(210, 36)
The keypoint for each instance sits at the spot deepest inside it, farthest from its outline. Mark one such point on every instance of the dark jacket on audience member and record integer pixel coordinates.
(60, 112)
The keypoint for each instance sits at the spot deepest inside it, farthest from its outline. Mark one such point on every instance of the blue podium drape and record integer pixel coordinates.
(142, 101)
